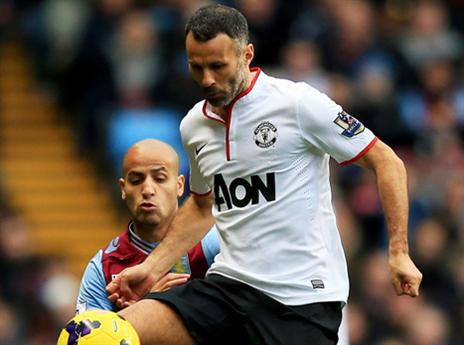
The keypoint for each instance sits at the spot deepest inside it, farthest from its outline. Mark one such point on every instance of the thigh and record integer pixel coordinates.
(208, 309)
(157, 324)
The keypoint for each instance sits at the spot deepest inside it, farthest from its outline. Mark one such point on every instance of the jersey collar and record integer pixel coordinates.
(244, 96)
(144, 246)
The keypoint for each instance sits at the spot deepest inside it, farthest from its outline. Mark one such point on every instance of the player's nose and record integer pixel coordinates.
(207, 79)
(148, 189)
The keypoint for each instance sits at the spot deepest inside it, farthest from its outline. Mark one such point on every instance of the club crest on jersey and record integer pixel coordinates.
(351, 126)
(265, 135)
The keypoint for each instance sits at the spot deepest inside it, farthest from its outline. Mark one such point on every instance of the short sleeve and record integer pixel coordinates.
(92, 294)
(198, 185)
(326, 126)
(210, 245)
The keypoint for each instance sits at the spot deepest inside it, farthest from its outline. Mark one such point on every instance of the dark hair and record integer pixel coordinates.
(209, 21)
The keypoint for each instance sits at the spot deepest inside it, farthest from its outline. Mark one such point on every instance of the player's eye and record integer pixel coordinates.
(217, 66)
(196, 68)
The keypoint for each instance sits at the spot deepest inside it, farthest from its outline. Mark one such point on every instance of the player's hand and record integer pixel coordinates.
(170, 280)
(130, 285)
(406, 278)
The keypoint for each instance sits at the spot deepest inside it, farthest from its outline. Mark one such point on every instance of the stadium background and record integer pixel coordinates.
(82, 80)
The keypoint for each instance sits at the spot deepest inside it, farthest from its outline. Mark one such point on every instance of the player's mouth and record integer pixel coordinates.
(212, 92)
(147, 206)
(213, 95)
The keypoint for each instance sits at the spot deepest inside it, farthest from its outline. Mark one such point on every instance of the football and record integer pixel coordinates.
(98, 327)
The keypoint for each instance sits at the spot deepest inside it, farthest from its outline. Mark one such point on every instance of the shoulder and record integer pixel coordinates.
(294, 93)
(93, 273)
(120, 245)
(114, 245)
(292, 88)
(306, 92)
(285, 86)
(193, 117)
(315, 107)
(96, 261)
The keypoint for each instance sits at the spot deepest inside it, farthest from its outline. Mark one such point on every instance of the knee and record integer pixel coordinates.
(140, 315)
(156, 323)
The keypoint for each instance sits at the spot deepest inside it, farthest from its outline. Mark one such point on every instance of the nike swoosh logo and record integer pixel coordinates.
(197, 150)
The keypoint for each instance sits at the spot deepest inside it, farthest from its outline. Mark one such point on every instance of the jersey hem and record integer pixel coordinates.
(315, 298)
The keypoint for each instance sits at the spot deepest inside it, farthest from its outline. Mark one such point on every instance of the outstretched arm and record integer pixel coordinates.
(189, 226)
(392, 186)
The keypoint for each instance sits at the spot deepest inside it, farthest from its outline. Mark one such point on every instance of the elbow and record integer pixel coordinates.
(389, 164)
(383, 161)
(394, 168)
(398, 162)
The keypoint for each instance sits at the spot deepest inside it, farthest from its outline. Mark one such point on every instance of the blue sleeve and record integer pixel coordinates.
(92, 294)
(210, 245)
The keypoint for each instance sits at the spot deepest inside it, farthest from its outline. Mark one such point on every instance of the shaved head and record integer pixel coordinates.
(150, 186)
(150, 150)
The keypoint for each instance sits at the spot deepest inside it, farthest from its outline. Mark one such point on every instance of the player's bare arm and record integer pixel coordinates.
(392, 186)
(189, 226)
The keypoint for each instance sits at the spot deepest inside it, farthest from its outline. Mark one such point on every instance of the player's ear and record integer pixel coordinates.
(122, 183)
(180, 185)
(249, 53)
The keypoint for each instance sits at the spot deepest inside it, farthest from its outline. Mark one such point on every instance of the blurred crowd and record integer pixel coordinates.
(118, 70)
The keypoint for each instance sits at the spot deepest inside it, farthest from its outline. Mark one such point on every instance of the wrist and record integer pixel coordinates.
(398, 251)
(398, 247)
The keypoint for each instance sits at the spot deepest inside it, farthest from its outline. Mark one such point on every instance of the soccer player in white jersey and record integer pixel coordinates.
(259, 150)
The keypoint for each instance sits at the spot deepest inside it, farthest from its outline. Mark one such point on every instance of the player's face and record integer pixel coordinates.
(219, 66)
(150, 188)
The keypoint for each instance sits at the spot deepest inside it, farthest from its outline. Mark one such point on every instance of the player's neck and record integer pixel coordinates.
(150, 233)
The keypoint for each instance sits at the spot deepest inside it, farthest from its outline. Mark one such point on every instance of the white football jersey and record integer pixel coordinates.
(268, 169)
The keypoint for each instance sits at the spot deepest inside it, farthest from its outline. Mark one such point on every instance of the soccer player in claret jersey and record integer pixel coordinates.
(259, 150)
(150, 186)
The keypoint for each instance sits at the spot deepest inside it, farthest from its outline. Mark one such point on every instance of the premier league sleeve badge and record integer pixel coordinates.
(350, 125)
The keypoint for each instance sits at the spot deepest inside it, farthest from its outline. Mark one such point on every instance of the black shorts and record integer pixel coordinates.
(221, 311)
